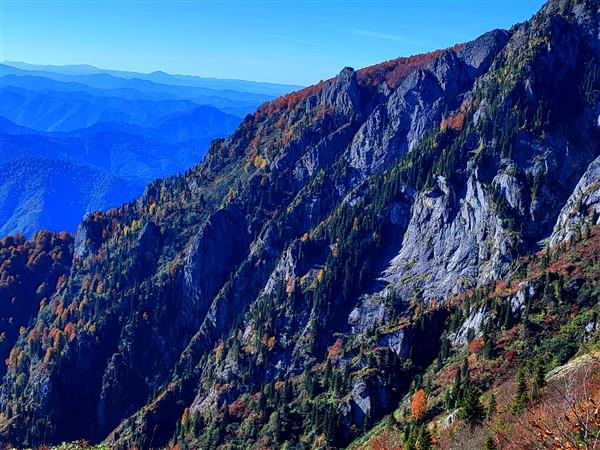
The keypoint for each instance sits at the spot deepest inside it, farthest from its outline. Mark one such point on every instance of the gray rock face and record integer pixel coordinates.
(478, 54)
(242, 251)
(369, 313)
(395, 127)
(519, 300)
(342, 93)
(360, 402)
(510, 189)
(474, 324)
(223, 238)
(582, 207)
(84, 244)
(80, 251)
(398, 341)
(451, 244)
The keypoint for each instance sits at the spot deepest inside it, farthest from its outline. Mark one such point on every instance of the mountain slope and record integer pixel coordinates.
(66, 111)
(39, 193)
(119, 150)
(138, 155)
(200, 123)
(29, 275)
(285, 292)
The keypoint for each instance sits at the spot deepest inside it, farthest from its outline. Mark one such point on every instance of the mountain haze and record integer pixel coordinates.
(362, 263)
(270, 89)
(118, 125)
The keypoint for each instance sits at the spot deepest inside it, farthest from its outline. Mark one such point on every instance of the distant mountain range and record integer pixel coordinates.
(405, 256)
(257, 87)
(104, 135)
(43, 193)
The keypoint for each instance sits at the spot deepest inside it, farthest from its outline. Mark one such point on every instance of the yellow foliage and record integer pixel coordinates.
(219, 351)
(320, 275)
(48, 355)
(230, 195)
(260, 162)
(271, 342)
(185, 418)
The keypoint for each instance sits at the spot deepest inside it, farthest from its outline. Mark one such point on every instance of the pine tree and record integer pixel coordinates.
(424, 441)
(472, 410)
(539, 377)
(489, 343)
(411, 435)
(507, 321)
(520, 397)
(540, 373)
(490, 444)
(491, 406)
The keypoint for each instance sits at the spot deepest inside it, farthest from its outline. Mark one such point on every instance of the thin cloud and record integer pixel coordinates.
(384, 36)
(301, 41)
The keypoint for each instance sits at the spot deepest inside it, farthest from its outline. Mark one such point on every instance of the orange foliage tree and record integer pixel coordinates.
(418, 405)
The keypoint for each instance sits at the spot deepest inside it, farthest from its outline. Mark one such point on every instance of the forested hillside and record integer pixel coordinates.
(403, 256)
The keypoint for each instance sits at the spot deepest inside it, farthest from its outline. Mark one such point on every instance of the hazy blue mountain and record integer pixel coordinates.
(40, 193)
(64, 111)
(271, 89)
(87, 168)
(220, 98)
(83, 135)
(38, 83)
(6, 126)
(167, 147)
(198, 123)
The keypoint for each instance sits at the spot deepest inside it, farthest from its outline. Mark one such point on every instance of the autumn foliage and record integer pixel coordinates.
(386, 440)
(334, 351)
(418, 405)
(393, 72)
(566, 416)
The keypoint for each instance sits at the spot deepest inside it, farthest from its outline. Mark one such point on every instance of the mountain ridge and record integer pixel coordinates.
(82, 69)
(283, 292)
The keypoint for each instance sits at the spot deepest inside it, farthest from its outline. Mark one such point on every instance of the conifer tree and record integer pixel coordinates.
(520, 397)
(424, 441)
(472, 410)
(490, 444)
(491, 406)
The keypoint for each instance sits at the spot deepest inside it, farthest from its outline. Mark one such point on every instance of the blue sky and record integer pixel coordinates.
(288, 41)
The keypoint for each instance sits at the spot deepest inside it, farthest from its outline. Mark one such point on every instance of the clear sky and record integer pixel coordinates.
(288, 41)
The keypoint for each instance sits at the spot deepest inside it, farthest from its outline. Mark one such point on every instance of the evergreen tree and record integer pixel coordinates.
(489, 342)
(491, 406)
(424, 441)
(490, 444)
(507, 321)
(520, 397)
(472, 410)
(540, 373)
(411, 435)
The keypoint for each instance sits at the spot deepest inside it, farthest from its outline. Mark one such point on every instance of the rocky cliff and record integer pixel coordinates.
(311, 246)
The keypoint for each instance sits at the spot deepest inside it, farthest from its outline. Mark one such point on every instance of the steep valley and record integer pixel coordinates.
(425, 224)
